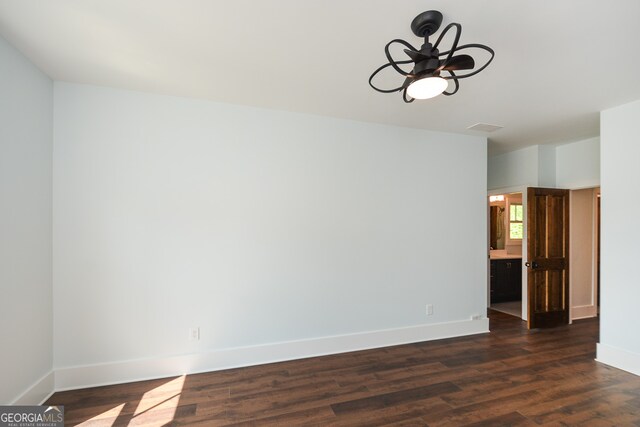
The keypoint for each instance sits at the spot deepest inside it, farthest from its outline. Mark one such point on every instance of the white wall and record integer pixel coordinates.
(582, 243)
(578, 164)
(26, 330)
(512, 169)
(257, 226)
(572, 166)
(620, 207)
(546, 166)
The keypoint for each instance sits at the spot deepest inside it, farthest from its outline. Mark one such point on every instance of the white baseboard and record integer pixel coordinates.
(618, 358)
(76, 377)
(40, 391)
(583, 312)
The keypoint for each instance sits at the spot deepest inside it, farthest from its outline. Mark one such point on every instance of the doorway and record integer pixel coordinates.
(585, 252)
(584, 280)
(506, 238)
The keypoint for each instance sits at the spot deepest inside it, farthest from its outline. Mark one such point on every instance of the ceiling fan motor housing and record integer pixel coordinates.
(427, 23)
(426, 66)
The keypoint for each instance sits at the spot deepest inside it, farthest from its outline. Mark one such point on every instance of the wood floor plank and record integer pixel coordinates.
(511, 376)
(512, 419)
(410, 413)
(479, 412)
(394, 398)
(312, 417)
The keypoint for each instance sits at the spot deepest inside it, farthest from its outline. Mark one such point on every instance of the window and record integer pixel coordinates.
(515, 222)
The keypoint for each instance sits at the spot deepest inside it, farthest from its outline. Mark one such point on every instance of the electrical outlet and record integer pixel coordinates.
(194, 334)
(429, 309)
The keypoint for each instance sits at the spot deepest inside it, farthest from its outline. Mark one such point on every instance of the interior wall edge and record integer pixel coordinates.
(38, 392)
(77, 377)
(26, 254)
(583, 185)
(618, 358)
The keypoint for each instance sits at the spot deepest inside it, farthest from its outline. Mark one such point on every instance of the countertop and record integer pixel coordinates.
(502, 254)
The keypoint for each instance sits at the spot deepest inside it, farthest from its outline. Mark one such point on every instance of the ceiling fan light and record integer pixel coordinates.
(427, 87)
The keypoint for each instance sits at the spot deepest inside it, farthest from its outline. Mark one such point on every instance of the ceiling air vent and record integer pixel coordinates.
(485, 127)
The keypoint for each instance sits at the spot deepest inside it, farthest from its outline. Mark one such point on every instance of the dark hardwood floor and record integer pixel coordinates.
(509, 377)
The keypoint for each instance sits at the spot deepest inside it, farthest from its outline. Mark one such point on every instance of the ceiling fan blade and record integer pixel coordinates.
(407, 81)
(415, 55)
(459, 62)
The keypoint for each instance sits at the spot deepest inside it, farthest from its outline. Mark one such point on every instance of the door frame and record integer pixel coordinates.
(525, 302)
(584, 312)
(525, 297)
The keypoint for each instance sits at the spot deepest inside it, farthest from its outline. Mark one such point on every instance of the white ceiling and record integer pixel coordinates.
(558, 63)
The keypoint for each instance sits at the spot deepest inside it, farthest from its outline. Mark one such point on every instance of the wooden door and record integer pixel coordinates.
(548, 257)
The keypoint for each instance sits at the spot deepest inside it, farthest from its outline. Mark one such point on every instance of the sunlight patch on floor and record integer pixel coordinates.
(157, 407)
(111, 414)
(157, 397)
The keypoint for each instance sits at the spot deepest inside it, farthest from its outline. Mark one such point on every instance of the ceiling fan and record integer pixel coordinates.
(425, 80)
